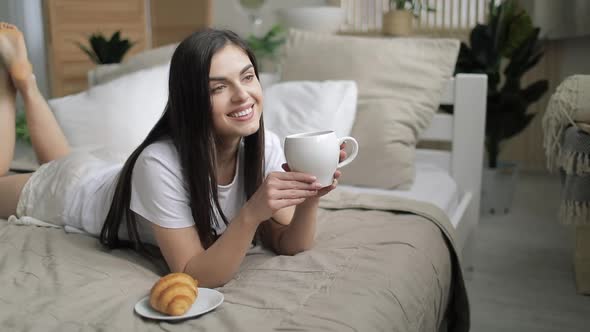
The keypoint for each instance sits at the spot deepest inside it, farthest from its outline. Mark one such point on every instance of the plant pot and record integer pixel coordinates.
(497, 189)
(103, 73)
(397, 23)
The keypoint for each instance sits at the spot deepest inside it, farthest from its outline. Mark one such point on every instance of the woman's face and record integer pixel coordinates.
(236, 95)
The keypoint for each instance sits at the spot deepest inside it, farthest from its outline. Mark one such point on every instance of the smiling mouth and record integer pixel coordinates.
(242, 114)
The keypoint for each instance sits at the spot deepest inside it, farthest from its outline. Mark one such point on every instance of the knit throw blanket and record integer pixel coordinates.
(567, 146)
(575, 178)
(568, 106)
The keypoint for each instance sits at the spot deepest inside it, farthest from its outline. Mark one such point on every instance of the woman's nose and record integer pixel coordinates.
(240, 94)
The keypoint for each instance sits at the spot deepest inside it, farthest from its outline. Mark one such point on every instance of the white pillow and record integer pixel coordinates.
(110, 120)
(304, 106)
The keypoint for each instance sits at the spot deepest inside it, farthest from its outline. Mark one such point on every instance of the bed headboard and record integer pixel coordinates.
(465, 130)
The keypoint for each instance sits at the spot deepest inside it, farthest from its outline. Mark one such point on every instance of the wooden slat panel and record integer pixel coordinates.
(527, 147)
(71, 21)
(173, 20)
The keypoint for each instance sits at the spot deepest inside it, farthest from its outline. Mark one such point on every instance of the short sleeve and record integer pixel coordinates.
(158, 192)
(273, 153)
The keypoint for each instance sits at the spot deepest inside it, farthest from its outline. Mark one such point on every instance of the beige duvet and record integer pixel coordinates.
(371, 270)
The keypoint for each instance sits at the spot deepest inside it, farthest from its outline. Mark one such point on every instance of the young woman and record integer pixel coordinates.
(206, 180)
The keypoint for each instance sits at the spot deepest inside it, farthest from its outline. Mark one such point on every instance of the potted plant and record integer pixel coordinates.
(508, 44)
(398, 20)
(106, 51)
(266, 48)
(24, 159)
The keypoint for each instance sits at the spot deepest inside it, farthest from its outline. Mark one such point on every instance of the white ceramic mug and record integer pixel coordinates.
(318, 154)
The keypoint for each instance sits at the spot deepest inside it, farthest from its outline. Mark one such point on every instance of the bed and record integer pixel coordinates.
(384, 260)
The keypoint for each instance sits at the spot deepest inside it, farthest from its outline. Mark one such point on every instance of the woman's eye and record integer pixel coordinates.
(248, 78)
(218, 88)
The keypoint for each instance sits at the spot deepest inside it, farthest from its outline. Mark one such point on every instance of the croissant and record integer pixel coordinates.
(174, 294)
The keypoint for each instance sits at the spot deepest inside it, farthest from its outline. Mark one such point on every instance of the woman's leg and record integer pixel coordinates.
(10, 186)
(10, 189)
(47, 138)
(7, 119)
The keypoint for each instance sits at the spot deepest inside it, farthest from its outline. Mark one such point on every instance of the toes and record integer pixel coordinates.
(4, 25)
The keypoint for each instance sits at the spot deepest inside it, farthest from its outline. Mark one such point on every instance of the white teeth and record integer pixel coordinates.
(241, 113)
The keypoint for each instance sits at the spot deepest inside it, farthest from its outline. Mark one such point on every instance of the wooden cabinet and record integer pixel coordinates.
(71, 21)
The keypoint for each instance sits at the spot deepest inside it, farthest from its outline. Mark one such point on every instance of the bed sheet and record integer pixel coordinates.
(370, 270)
(432, 184)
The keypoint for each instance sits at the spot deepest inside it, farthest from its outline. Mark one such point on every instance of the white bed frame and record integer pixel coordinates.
(465, 130)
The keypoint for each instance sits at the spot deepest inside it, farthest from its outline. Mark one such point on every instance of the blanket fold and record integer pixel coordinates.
(458, 309)
(566, 126)
(575, 178)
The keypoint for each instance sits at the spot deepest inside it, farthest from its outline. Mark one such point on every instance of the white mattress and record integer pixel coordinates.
(432, 184)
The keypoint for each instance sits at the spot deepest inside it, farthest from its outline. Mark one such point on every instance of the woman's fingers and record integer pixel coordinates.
(294, 176)
(294, 194)
(283, 203)
(342, 155)
(298, 185)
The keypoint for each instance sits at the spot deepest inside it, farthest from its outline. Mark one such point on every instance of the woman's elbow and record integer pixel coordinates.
(294, 250)
(213, 282)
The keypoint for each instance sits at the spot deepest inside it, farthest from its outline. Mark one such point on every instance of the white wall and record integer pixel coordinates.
(227, 14)
(560, 19)
(5, 9)
(575, 57)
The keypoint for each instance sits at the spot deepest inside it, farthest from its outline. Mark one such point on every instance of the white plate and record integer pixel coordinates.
(207, 300)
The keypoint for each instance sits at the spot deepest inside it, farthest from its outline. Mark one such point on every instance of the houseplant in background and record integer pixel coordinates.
(505, 49)
(24, 159)
(106, 51)
(398, 20)
(22, 131)
(266, 48)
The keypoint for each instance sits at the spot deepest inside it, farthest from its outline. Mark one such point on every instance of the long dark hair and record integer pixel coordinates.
(187, 121)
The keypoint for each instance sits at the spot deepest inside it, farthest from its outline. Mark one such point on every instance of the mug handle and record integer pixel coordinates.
(355, 150)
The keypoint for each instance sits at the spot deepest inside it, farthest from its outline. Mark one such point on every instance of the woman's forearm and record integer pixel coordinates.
(218, 264)
(300, 234)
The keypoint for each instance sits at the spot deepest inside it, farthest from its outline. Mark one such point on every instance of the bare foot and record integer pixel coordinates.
(13, 53)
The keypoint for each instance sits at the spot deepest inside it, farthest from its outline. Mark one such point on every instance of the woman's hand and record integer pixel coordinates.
(279, 190)
(325, 190)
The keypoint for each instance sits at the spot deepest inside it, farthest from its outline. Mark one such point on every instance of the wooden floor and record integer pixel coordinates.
(523, 280)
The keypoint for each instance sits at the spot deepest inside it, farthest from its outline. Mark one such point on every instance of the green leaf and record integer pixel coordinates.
(90, 53)
(21, 129)
(519, 29)
(267, 45)
(103, 51)
(535, 91)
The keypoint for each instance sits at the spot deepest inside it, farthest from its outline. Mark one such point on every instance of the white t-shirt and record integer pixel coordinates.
(159, 192)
